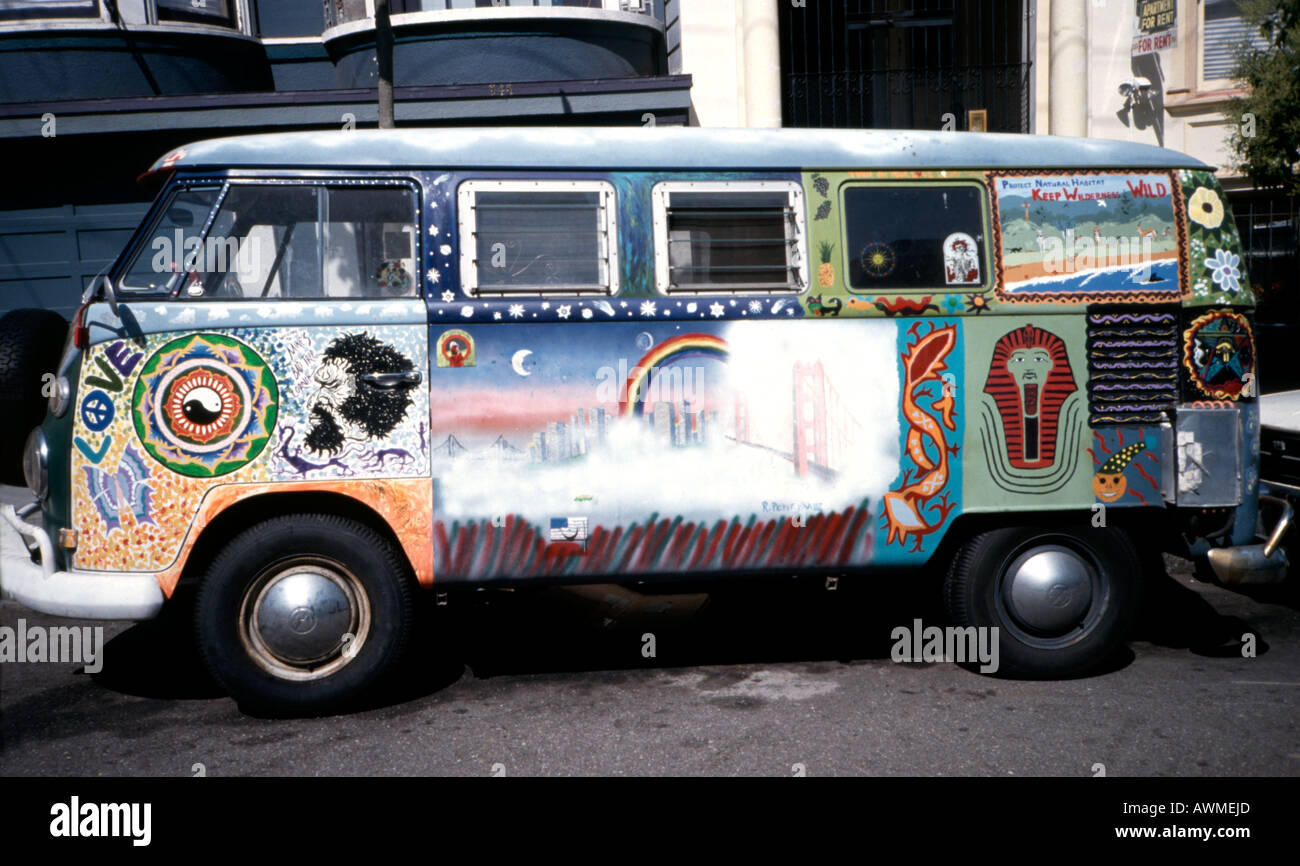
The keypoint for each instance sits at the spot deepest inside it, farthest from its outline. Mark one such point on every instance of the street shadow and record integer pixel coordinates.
(1176, 616)
(559, 630)
(158, 659)
(496, 633)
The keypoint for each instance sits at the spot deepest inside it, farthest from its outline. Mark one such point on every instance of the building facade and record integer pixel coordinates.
(1153, 71)
(1160, 72)
(93, 91)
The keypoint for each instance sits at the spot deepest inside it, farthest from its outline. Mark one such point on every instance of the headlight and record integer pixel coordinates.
(60, 396)
(36, 463)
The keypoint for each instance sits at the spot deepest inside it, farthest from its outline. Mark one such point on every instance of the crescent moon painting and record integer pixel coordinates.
(517, 362)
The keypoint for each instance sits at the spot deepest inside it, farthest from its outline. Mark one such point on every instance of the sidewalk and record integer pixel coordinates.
(15, 496)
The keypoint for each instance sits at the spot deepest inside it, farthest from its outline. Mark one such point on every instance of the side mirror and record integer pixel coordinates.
(103, 282)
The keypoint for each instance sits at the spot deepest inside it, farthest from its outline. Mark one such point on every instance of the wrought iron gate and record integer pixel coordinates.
(907, 64)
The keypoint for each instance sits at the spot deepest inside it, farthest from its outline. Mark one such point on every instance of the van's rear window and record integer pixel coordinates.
(914, 237)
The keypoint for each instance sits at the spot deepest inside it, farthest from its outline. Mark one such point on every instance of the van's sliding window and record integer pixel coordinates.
(738, 237)
(538, 238)
(291, 240)
(921, 237)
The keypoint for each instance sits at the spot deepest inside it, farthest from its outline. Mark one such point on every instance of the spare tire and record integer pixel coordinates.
(31, 342)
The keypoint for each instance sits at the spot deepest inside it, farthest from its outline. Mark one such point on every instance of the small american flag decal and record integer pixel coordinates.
(569, 529)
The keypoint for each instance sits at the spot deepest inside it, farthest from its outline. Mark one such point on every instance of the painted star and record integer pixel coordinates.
(716, 310)
(516, 311)
(648, 308)
(563, 311)
(448, 296)
(434, 276)
(756, 306)
(496, 317)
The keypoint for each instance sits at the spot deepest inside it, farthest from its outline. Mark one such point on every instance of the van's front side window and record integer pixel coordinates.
(300, 241)
(176, 236)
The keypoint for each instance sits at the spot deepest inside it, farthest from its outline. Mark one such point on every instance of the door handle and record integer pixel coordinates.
(392, 381)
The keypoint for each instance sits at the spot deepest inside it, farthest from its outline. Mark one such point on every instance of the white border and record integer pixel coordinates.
(794, 192)
(468, 246)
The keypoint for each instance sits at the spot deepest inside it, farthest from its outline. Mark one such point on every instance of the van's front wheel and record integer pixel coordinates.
(1063, 600)
(304, 613)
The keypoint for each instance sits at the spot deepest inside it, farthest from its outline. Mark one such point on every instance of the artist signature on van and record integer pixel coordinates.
(792, 506)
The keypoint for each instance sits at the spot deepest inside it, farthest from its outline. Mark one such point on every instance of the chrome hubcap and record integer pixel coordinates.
(304, 619)
(1049, 590)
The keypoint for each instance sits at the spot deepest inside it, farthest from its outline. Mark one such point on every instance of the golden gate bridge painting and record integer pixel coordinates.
(761, 406)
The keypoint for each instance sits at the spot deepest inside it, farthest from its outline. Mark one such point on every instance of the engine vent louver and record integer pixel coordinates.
(1132, 365)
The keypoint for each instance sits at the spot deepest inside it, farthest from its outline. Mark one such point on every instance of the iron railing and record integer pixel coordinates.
(1269, 226)
(907, 64)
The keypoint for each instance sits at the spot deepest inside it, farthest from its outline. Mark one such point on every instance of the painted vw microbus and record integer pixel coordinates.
(333, 369)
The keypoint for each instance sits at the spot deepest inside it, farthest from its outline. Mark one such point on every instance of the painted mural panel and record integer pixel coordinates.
(927, 497)
(1027, 383)
(663, 447)
(1088, 237)
(163, 419)
(1219, 355)
(1217, 271)
(1126, 463)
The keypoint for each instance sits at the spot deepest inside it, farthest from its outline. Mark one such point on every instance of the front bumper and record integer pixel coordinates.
(1256, 563)
(79, 594)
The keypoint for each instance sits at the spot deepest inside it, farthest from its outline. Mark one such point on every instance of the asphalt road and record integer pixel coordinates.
(757, 680)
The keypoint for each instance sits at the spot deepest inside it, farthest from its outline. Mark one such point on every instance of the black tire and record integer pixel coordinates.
(1065, 612)
(362, 587)
(31, 342)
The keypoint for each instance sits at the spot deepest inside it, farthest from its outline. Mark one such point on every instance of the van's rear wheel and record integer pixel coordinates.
(304, 613)
(1063, 600)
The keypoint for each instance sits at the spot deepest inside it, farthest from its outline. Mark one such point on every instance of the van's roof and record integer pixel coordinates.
(631, 148)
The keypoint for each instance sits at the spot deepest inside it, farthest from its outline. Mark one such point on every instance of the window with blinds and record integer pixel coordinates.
(740, 237)
(538, 237)
(1224, 31)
